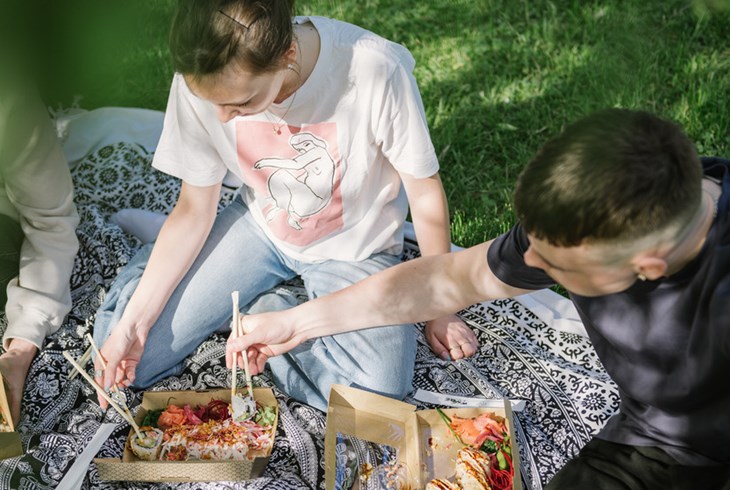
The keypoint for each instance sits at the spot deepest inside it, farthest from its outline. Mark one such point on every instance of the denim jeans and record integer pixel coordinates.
(238, 256)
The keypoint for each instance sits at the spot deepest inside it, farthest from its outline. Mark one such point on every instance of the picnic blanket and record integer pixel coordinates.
(532, 349)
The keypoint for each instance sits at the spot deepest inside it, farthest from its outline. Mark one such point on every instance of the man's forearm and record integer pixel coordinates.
(417, 290)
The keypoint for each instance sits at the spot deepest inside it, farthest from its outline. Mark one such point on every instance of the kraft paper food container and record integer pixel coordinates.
(9, 440)
(423, 446)
(131, 468)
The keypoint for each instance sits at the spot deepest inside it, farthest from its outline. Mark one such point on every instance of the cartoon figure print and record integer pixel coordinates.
(301, 186)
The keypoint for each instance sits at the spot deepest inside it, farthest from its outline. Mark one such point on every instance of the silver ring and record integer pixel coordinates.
(98, 373)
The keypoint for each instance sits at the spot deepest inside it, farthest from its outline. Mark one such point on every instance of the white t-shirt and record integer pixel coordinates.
(327, 187)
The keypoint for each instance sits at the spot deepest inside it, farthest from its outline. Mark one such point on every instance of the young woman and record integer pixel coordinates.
(323, 123)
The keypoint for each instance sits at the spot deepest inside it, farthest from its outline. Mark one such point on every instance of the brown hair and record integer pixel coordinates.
(207, 35)
(614, 175)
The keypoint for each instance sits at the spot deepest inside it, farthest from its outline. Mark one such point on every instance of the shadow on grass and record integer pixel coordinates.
(498, 78)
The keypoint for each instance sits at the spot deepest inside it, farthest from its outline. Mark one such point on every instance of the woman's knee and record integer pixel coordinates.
(389, 375)
(396, 386)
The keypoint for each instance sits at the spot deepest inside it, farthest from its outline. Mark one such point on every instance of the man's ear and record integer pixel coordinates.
(651, 267)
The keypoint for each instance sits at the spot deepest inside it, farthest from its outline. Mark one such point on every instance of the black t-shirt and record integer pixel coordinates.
(665, 343)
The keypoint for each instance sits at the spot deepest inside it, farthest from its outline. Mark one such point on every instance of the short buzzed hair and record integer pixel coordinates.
(615, 175)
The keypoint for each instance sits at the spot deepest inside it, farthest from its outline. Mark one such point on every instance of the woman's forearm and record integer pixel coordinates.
(430, 214)
(180, 240)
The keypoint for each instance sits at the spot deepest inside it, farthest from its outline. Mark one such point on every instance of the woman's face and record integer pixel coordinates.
(236, 92)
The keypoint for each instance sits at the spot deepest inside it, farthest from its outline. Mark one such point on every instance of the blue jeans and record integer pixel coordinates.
(238, 256)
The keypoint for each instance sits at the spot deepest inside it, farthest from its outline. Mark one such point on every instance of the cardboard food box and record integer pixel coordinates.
(418, 443)
(9, 439)
(131, 468)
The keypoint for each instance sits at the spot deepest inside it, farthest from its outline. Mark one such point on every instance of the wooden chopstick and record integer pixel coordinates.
(82, 361)
(244, 353)
(103, 393)
(234, 330)
(237, 330)
(115, 388)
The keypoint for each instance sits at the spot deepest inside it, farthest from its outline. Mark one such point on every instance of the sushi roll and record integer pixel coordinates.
(148, 447)
(472, 469)
(442, 484)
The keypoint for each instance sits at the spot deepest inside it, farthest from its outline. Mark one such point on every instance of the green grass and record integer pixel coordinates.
(498, 78)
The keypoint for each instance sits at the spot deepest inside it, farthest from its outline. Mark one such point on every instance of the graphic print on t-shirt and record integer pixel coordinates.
(295, 177)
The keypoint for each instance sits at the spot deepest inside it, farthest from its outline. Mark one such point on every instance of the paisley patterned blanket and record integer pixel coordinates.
(553, 376)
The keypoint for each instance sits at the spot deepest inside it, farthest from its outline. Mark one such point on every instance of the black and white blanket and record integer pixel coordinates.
(526, 354)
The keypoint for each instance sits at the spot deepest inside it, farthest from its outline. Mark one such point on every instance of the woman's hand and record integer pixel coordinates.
(122, 352)
(450, 338)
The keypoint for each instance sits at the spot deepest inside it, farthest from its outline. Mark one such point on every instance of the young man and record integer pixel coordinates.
(620, 211)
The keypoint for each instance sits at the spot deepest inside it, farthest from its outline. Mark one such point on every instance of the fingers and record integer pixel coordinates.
(261, 343)
(465, 349)
(126, 377)
(110, 375)
(257, 353)
(450, 338)
(440, 349)
(251, 336)
(256, 359)
(99, 374)
(229, 358)
(247, 326)
(469, 349)
(464, 345)
(259, 363)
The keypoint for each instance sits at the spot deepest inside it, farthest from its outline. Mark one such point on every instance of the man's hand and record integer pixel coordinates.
(122, 352)
(450, 338)
(265, 335)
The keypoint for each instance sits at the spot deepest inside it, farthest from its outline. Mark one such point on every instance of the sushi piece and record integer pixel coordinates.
(472, 469)
(243, 407)
(442, 484)
(148, 447)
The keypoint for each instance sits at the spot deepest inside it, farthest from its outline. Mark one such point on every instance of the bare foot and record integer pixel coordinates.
(14, 365)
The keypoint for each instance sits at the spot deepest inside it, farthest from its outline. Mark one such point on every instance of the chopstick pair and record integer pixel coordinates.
(123, 411)
(82, 362)
(237, 330)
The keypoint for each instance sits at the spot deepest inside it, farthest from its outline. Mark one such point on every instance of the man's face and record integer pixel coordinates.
(583, 270)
